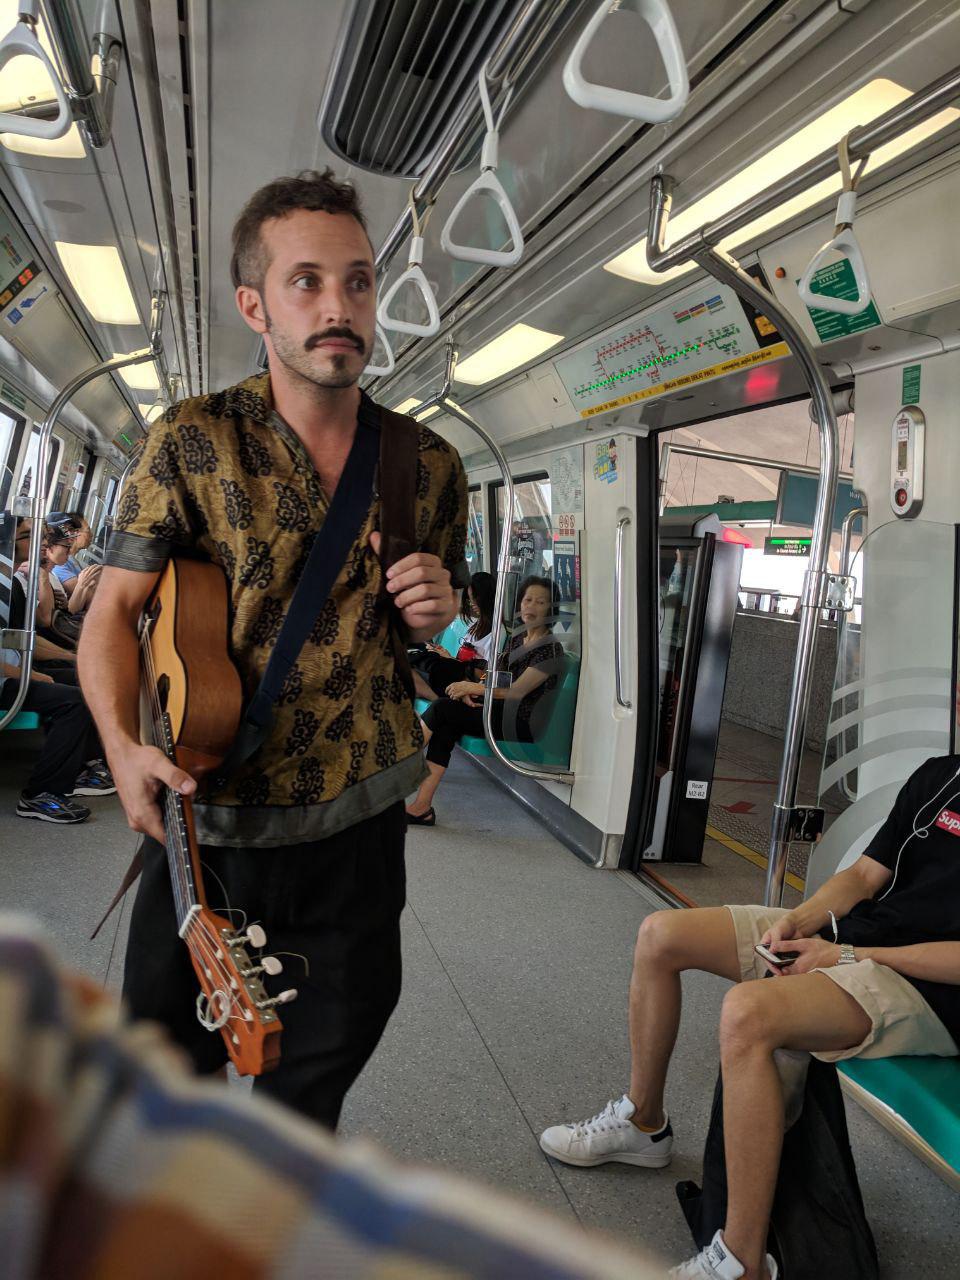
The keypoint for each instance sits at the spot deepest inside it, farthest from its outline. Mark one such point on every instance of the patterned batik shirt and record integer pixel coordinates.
(223, 476)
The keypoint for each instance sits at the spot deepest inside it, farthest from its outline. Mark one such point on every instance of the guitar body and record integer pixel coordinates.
(192, 701)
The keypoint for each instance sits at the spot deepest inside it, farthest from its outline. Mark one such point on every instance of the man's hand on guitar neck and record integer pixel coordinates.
(421, 590)
(140, 773)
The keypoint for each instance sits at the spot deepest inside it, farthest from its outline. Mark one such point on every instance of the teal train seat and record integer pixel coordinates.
(553, 748)
(920, 1094)
(25, 720)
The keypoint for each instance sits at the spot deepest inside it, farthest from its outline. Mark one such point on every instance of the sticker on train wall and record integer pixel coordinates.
(838, 281)
(605, 461)
(697, 790)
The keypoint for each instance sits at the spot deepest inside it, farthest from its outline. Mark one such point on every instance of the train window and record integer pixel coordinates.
(540, 729)
(29, 466)
(11, 437)
(474, 552)
(531, 543)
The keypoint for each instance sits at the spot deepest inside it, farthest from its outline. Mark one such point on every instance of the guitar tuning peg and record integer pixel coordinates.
(284, 997)
(254, 935)
(271, 965)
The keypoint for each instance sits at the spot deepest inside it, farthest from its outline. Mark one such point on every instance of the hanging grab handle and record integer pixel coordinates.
(22, 40)
(620, 102)
(412, 275)
(843, 241)
(488, 183)
(381, 370)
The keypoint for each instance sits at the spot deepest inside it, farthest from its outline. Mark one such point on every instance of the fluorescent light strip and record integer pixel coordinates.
(869, 102)
(407, 406)
(97, 273)
(139, 377)
(515, 347)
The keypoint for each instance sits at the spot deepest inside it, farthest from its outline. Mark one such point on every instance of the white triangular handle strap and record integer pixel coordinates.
(22, 40)
(413, 275)
(381, 370)
(487, 182)
(620, 102)
(844, 243)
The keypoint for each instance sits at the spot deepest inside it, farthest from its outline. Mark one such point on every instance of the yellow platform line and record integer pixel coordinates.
(751, 855)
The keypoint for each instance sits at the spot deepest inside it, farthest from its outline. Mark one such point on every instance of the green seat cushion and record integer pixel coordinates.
(25, 720)
(923, 1091)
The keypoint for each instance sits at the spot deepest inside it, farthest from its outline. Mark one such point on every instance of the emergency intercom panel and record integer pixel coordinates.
(906, 461)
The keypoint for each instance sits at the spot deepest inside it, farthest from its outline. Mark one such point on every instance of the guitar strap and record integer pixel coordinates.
(396, 477)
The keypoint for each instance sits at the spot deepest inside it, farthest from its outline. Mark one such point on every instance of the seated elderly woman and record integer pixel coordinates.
(533, 661)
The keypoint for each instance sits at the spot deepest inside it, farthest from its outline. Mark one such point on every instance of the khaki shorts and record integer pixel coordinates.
(901, 1021)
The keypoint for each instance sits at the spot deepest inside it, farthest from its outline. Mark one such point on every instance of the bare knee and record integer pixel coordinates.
(657, 939)
(748, 1021)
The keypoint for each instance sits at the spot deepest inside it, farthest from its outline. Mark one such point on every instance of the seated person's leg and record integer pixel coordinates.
(68, 743)
(635, 1128)
(806, 1012)
(421, 688)
(447, 721)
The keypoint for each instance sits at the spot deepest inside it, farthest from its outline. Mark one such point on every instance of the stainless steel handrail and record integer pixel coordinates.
(725, 269)
(443, 401)
(862, 142)
(28, 635)
(618, 615)
(846, 536)
(91, 91)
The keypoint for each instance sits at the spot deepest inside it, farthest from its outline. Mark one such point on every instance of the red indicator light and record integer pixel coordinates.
(735, 536)
(900, 497)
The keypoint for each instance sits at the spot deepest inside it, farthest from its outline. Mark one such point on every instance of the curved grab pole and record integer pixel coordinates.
(22, 40)
(24, 640)
(489, 182)
(620, 102)
(843, 241)
(724, 268)
(442, 400)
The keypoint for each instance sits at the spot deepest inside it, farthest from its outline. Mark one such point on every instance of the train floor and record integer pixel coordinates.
(512, 1017)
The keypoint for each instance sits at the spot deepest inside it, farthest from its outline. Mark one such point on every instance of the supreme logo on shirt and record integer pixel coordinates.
(949, 821)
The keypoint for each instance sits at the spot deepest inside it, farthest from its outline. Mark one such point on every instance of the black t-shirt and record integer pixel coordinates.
(922, 902)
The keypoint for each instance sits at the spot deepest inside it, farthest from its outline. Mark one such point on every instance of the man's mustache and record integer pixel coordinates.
(346, 334)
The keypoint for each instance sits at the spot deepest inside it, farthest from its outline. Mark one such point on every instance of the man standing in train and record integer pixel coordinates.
(868, 966)
(307, 837)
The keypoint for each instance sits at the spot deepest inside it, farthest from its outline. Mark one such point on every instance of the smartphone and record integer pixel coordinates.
(780, 959)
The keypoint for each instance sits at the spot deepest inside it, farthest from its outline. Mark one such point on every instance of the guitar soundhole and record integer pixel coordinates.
(163, 691)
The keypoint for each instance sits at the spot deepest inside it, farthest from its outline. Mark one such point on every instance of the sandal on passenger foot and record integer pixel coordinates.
(428, 819)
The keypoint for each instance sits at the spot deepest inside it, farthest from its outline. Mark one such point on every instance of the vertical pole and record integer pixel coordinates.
(724, 268)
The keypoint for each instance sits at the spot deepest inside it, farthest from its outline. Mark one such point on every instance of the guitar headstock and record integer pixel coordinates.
(233, 999)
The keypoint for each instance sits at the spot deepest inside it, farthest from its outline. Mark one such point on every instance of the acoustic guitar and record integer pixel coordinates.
(190, 707)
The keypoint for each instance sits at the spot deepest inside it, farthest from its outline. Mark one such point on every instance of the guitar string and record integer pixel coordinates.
(194, 939)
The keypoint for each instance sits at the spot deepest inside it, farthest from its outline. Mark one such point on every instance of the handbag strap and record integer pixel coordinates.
(399, 449)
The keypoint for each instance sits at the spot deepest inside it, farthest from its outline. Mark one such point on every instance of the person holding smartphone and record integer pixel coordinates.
(868, 966)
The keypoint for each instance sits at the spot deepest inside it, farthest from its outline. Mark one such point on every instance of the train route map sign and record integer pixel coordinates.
(704, 335)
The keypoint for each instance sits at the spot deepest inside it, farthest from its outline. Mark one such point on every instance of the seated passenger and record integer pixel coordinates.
(71, 760)
(79, 583)
(435, 669)
(56, 631)
(533, 660)
(876, 957)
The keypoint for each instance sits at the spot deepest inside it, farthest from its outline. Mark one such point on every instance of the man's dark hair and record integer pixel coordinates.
(316, 192)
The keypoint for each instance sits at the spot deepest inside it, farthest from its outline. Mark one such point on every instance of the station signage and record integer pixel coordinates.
(786, 546)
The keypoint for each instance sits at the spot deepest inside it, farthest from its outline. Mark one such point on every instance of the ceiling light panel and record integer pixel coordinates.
(97, 273)
(139, 377)
(24, 80)
(861, 107)
(408, 405)
(518, 345)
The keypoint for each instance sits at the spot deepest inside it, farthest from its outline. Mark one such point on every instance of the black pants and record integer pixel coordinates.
(449, 721)
(439, 672)
(338, 903)
(71, 737)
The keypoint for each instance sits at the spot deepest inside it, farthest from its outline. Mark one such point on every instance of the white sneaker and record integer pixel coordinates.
(716, 1262)
(609, 1135)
